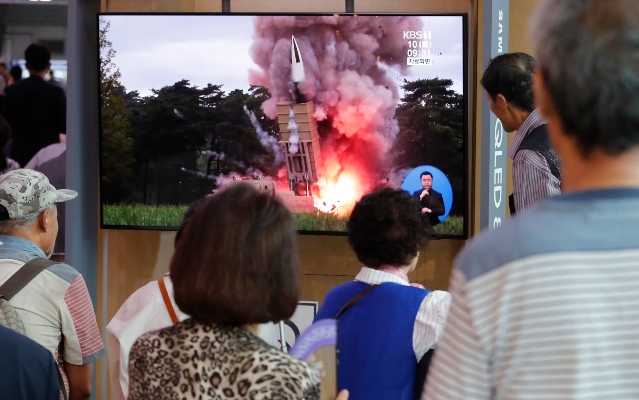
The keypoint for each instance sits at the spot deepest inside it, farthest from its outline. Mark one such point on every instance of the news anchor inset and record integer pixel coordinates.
(430, 186)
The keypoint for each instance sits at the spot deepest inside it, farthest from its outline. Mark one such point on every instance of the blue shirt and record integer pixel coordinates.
(27, 369)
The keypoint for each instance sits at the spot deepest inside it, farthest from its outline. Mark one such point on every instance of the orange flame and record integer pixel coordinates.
(339, 197)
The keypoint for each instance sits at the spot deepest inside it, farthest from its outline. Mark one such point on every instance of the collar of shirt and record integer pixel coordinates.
(375, 277)
(17, 248)
(534, 120)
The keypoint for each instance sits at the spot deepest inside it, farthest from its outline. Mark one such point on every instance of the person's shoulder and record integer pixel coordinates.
(295, 367)
(529, 233)
(140, 299)
(344, 287)
(434, 192)
(64, 272)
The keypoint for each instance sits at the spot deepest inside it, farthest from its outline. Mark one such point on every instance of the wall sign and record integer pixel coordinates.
(494, 198)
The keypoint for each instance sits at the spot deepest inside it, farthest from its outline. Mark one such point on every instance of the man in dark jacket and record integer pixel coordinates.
(35, 109)
(431, 200)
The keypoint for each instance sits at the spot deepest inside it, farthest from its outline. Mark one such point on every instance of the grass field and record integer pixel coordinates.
(452, 225)
(143, 215)
(320, 222)
(171, 217)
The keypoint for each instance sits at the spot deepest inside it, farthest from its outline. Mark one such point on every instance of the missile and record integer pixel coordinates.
(297, 66)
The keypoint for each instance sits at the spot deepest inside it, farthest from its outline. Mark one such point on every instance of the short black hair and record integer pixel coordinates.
(37, 57)
(237, 262)
(511, 75)
(386, 228)
(16, 73)
(425, 173)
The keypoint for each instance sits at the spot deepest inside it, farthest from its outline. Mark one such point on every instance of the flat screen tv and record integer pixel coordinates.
(316, 109)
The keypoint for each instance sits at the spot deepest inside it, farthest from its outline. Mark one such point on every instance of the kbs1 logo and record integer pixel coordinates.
(417, 35)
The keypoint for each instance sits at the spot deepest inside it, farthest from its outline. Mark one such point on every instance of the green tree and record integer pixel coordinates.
(169, 128)
(116, 143)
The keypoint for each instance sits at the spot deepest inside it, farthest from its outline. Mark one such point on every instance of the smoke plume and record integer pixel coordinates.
(294, 140)
(268, 141)
(345, 60)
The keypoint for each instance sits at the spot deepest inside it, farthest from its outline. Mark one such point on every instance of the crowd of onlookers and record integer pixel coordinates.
(544, 306)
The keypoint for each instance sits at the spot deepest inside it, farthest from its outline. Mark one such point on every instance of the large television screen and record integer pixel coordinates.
(316, 109)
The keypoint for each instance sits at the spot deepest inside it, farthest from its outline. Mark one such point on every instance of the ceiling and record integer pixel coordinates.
(36, 2)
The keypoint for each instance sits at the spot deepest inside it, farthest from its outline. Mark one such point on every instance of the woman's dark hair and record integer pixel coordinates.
(237, 262)
(386, 228)
(5, 134)
(186, 217)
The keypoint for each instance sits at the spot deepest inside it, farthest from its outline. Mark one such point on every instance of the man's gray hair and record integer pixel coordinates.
(588, 52)
(10, 226)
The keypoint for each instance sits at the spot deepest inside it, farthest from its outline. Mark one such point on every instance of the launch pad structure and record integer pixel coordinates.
(303, 165)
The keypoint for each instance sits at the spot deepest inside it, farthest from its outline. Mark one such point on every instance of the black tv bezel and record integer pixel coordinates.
(467, 138)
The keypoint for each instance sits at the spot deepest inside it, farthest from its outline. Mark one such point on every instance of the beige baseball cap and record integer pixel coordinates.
(25, 192)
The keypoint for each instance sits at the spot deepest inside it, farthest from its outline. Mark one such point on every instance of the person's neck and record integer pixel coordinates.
(253, 328)
(30, 236)
(600, 171)
(519, 117)
(41, 74)
(405, 269)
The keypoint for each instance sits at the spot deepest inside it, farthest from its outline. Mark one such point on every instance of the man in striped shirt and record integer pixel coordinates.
(546, 306)
(55, 306)
(536, 173)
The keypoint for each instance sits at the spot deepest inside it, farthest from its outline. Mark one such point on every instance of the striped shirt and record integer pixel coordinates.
(431, 317)
(55, 306)
(532, 179)
(546, 306)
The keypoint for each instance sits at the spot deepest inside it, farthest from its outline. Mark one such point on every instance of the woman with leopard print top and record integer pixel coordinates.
(235, 266)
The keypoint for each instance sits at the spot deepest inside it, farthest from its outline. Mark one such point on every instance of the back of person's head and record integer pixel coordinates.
(37, 57)
(511, 75)
(5, 134)
(386, 228)
(16, 73)
(588, 53)
(236, 262)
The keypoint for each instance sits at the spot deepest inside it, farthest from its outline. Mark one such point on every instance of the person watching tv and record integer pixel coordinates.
(385, 333)
(235, 266)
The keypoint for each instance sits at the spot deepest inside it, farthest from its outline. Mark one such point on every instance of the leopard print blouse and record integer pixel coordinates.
(191, 360)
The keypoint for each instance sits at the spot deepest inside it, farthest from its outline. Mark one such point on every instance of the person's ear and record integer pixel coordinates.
(501, 103)
(45, 220)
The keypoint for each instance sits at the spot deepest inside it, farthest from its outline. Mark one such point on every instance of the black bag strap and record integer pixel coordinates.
(354, 300)
(23, 276)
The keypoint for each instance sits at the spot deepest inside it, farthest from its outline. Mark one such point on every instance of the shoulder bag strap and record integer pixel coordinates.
(18, 281)
(167, 301)
(23, 276)
(354, 300)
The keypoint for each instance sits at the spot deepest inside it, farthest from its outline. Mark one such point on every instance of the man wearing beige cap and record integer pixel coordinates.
(54, 306)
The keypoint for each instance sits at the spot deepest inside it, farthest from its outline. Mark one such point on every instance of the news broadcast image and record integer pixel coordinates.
(315, 109)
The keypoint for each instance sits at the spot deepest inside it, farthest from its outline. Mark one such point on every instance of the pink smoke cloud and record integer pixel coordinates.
(344, 78)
